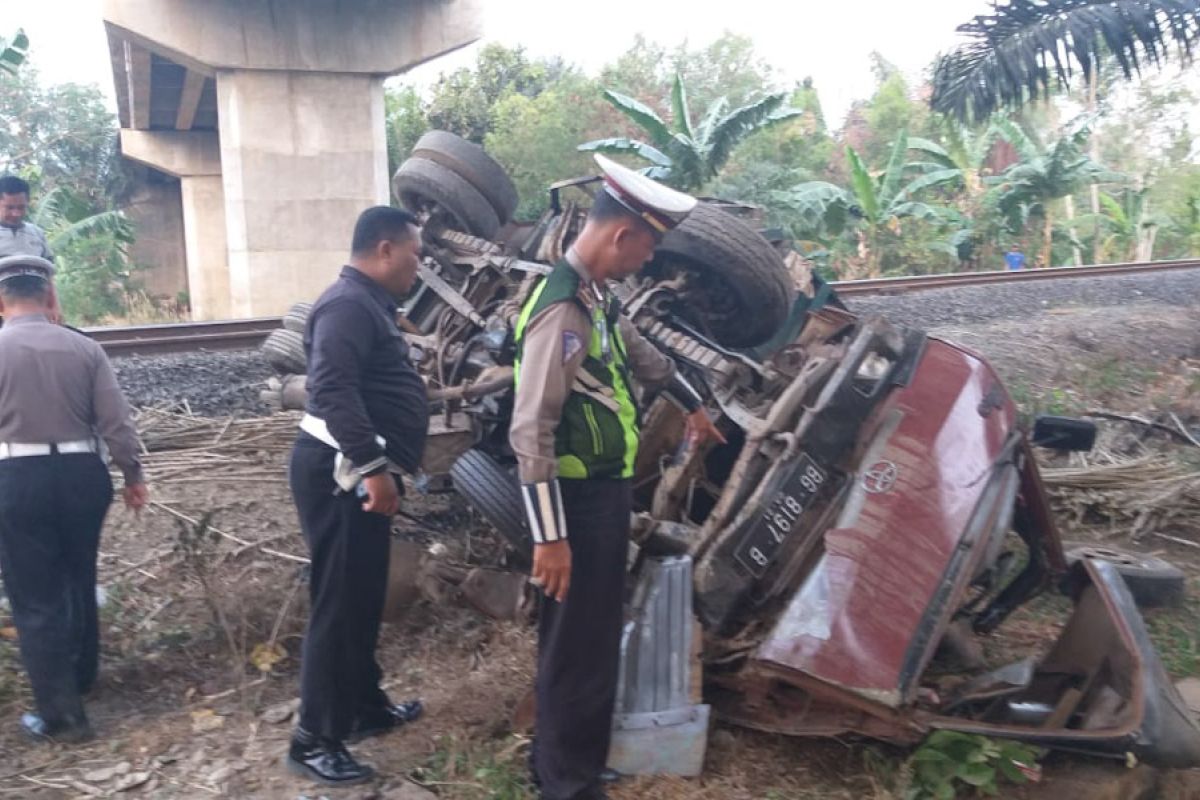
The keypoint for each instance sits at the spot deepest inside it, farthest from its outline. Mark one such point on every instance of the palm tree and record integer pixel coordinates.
(1029, 188)
(687, 156)
(871, 204)
(12, 53)
(1019, 50)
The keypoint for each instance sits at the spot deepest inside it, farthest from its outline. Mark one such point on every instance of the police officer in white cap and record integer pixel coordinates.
(59, 400)
(575, 433)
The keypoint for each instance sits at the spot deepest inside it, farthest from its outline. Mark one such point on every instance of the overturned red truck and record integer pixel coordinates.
(877, 499)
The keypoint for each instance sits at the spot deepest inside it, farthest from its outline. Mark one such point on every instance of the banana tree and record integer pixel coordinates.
(12, 52)
(91, 251)
(1044, 175)
(871, 205)
(684, 155)
(1126, 227)
(1021, 49)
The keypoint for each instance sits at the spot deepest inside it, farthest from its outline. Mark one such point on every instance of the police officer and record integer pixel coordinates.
(367, 414)
(575, 433)
(59, 400)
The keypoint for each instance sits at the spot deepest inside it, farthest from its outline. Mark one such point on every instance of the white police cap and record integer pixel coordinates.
(25, 265)
(661, 207)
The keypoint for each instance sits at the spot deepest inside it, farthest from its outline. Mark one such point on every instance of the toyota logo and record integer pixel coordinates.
(879, 477)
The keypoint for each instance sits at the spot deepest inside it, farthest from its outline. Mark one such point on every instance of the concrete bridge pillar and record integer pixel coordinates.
(285, 99)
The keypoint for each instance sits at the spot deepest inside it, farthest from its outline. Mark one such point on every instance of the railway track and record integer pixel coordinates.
(249, 333)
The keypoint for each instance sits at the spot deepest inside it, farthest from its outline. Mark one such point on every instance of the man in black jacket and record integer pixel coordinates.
(366, 420)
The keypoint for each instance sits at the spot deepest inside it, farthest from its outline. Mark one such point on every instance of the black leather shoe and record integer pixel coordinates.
(384, 719)
(326, 762)
(38, 728)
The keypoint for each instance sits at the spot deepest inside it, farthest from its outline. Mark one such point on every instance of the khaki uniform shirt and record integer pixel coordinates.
(57, 385)
(547, 377)
(26, 239)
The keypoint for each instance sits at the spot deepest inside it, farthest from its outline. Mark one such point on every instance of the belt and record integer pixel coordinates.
(316, 428)
(25, 449)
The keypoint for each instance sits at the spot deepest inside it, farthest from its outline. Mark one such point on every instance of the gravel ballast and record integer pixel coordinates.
(218, 383)
(210, 383)
(935, 308)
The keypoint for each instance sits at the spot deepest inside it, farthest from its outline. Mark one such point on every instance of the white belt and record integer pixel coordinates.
(25, 449)
(316, 428)
(344, 474)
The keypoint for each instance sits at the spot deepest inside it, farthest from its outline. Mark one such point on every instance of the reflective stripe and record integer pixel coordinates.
(544, 510)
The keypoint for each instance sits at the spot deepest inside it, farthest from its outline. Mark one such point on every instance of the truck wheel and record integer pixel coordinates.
(1152, 581)
(496, 494)
(430, 190)
(284, 350)
(468, 160)
(296, 317)
(744, 289)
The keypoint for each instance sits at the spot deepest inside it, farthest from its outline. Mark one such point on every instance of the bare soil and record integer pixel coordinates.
(192, 706)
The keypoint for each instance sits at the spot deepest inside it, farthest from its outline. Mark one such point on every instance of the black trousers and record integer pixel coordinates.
(579, 641)
(339, 676)
(51, 511)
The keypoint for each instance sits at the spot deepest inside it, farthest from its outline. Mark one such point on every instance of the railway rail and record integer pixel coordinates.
(249, 333)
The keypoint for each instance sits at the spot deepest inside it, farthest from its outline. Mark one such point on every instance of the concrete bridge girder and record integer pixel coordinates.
(270, 111)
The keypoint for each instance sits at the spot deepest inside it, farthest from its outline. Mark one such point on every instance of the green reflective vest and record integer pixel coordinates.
(597, 435)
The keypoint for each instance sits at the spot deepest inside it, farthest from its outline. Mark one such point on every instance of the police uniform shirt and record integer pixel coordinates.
(26, 239)
(361, 381)
(556, 342)
(57, 385)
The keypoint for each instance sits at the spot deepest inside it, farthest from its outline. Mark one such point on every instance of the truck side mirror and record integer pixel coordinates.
(1064, 433)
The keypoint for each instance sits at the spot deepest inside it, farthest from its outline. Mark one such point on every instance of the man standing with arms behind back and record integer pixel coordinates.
(575, 433)
(59, 399)
(367, 416)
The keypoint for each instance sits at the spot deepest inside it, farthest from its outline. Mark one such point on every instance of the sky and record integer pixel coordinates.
(830, 41)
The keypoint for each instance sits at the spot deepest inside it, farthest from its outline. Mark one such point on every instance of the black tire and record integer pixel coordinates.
(747, 289)
(496, 494)
(1152, 581)
(296, 317)
(424, 186)
(471, 162)
(284, 350)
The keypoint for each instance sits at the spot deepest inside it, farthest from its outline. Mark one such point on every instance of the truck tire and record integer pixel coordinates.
(1152, 581)
(284, 350)
(747, 292)
(426, 187)
(471, 162)
(496, 495)
(296, 317)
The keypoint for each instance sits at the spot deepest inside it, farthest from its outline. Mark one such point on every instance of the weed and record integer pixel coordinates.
(1176, 635)
(472, 772)
(949, 761)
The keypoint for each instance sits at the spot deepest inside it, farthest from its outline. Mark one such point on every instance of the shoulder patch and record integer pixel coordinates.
(571, 345)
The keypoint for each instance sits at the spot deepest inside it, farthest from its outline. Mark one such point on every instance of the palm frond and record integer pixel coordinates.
(714, 113)
(934, 151)
(1022, 49)
(930, 180)
(1015, 135)
(863, 185)
(643, 116)
(621, 145)
(819, 207)
(111, 223)
(740, 123)
(894, 172)
(679, 107)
